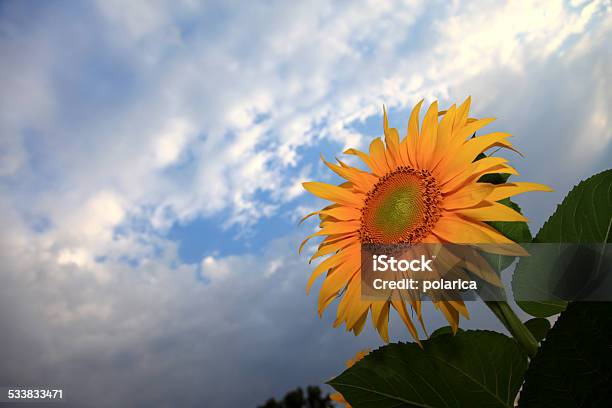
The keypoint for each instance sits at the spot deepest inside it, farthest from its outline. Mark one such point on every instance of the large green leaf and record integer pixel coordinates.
(574, 365)
(442, 330)
(470, 369)
(584, 216)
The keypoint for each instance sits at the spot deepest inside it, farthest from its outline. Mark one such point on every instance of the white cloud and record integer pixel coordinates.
(216, 121)
(215, 269)
(80, 236)
(99, 215)
(170, 143)
(257, 89)
(78, 257)
(274, 266)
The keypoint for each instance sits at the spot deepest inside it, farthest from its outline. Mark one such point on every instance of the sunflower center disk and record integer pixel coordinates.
(401, 208)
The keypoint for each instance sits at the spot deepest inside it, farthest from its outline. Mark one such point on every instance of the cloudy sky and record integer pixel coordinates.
(151, 155)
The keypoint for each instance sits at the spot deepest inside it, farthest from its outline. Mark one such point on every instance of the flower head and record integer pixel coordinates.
(423, 188)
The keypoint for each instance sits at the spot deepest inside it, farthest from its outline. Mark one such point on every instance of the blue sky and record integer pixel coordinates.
(151, 155)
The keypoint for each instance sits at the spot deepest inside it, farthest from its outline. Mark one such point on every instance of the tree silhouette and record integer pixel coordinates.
(297, 399)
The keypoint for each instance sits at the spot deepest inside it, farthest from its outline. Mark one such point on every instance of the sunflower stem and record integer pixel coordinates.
(517, 329)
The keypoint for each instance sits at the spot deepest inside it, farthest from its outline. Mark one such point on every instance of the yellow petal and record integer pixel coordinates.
(400, 307)
(475, 170)
(392, 152)
(462, 114)
(380, 318)
(347, 255)
(344, 303)
(471, 128)
(304, 218)
(357, 308)
(343, 213)
(403, 153)
(502, 191)
(334, 193)
(445, 128)
(361, 180)
(366, 159)
(459, 306)
(358, 326)
(445, 132)
(337, 397)
(458, 230)
(335, 228)
(474, 263)
(460, 153)
(492, 211)
(339, 227)
(452, 316)
(334, 282)
(412, 134)
(429, 134)
(473, 147)
(334, 246)
(377, 155)
(392, 142)
(468, 196)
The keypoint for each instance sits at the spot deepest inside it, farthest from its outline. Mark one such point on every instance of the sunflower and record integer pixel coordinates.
(423, 188)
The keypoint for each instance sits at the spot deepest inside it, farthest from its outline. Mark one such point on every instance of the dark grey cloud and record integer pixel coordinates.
(157, 336)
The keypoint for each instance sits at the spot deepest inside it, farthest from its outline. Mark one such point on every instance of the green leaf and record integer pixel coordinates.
(516, 231)
(574, 365)
(538, 326)
(584, 216)
(442, 330)
(471, 369)
(494, 178)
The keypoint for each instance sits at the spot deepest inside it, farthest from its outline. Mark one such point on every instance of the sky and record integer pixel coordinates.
(152, 154)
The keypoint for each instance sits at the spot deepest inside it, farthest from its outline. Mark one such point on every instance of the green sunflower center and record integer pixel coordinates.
(398, 210)
(401, 208)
